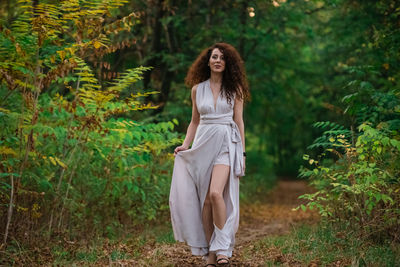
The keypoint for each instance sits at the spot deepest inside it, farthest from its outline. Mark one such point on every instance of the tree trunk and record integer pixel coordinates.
(156, 42)
(10, 210)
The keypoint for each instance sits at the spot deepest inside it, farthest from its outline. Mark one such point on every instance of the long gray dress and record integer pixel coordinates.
(192, 174)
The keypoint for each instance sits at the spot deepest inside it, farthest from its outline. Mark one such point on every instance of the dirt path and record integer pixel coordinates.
(272, 216)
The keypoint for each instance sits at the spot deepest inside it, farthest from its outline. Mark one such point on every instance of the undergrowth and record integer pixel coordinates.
(324, 245)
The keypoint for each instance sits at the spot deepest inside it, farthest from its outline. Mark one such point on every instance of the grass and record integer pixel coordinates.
(324, 245)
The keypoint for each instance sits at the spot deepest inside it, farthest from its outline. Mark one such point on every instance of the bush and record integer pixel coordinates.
(73, 159)
(362, 186)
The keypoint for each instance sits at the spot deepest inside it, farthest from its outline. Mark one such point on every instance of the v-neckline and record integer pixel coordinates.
(215, 102)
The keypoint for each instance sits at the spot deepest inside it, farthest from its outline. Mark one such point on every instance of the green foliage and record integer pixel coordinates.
(367, 103)
(259, 178)
(362, 185)
(329, 136)
(357, 174)
(72, 158)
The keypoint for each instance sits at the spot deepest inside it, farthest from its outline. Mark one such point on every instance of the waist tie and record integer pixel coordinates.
(235, 138)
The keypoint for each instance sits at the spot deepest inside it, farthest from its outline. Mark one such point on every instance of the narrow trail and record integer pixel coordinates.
(272, 216)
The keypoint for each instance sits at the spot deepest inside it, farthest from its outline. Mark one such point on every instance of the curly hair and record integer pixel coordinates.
(234, 79)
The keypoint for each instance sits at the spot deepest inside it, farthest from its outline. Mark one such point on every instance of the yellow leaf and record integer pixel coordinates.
(53, 161)
(61, 54)
(97, 44)
(71, 50)
(4, 110)
(61, 163)
(18, 48)
(7, 151)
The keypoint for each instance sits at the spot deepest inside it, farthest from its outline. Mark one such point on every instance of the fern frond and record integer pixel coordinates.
(332, 137)
(127, 78)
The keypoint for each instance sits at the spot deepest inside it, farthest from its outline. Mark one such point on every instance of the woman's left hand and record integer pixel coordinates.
(244, 165)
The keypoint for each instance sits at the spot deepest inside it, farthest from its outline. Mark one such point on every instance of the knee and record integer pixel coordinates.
(215, 196)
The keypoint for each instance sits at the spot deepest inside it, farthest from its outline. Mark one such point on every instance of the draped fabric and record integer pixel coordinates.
(192, 174)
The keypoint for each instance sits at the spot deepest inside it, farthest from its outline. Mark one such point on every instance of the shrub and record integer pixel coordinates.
(362, 186)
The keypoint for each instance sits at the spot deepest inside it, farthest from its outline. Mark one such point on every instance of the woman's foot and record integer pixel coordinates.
(222, 260)
(211, 260)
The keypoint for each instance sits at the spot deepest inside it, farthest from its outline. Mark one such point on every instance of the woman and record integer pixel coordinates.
(204, 197)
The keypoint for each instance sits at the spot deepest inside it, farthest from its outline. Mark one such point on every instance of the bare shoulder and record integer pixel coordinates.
(194, 88)
(238, 100)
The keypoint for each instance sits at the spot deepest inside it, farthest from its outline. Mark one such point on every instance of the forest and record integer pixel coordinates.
(93, 103)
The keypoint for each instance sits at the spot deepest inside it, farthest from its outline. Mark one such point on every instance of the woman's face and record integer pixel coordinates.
(217, 61)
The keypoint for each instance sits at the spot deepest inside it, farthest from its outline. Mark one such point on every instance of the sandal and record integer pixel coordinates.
(223, 261)
(205, 257)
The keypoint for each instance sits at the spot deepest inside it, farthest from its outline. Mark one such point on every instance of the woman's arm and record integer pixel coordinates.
(191, 130)
(238, 118)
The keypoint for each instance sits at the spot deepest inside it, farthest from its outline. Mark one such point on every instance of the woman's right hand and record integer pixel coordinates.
(179, 148)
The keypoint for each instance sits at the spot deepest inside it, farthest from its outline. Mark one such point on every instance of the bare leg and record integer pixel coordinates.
(214, 210)
(207, 217)
(219, 179)
(208, 225)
